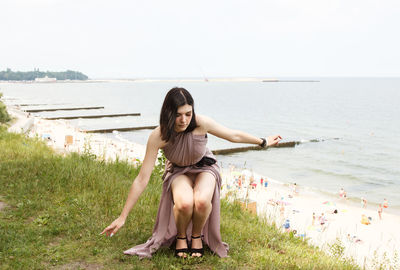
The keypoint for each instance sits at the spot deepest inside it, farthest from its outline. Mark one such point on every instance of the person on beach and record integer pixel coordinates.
(323, 222)
(286, 225)
(341, 193)
(265, 183)
(363, 202)
(380, 210)
(282, 209)
(189, 209)
(322, 219)
(365, 220)
(253, 184)
(354, 239)
(313, 219)
(295, 189)
(385, 203)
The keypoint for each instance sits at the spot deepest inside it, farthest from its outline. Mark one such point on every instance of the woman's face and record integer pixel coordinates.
(183, 117)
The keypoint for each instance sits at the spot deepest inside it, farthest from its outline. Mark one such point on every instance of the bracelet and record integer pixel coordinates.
(264, 142)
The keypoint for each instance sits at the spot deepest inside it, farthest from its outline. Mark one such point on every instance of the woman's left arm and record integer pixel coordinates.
(233, 135)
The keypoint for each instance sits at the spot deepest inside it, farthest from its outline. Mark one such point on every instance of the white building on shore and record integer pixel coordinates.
(45, 79)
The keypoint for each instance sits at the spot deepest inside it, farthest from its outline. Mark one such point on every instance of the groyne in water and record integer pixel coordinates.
(91, 116)
(259, 148)
(62, 109)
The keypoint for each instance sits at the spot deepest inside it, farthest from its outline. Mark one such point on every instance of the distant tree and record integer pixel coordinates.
(9, 75)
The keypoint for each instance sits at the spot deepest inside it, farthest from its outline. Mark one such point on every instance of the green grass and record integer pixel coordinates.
(4, 117)
(57, 206)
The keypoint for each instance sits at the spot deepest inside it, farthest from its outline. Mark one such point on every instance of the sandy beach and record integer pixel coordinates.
(369, 245)
(64, 138)
(286, 206)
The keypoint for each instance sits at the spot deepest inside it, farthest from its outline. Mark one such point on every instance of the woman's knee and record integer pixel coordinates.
(201, 203)
(184, 205)
(182, 192)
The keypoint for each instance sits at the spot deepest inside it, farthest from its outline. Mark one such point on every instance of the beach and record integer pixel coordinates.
(278, 203)
(292, 208)
(64, 138)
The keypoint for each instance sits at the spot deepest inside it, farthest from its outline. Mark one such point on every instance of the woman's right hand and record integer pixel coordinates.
(114, 227)
(273, 140)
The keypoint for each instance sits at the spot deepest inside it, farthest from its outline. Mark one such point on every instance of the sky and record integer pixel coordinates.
(223, 38)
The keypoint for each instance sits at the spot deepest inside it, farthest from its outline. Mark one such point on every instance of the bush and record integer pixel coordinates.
(4, 117)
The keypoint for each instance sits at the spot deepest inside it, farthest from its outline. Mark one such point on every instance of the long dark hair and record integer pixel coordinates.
(175, 98)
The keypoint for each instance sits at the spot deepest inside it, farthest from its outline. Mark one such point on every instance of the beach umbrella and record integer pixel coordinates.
(283, 202)
(329, 203)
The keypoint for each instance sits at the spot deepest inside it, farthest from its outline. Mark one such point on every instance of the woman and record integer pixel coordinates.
(189, 207)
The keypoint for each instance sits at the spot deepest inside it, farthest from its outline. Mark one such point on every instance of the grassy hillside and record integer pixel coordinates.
(57, 206)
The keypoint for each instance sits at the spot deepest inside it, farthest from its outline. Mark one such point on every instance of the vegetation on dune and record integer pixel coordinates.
(4, 117)
(57, 206)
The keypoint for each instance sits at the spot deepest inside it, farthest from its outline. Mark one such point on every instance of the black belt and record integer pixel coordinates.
(204, 161)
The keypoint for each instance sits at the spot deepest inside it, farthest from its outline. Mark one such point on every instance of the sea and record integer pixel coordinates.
(349, 128)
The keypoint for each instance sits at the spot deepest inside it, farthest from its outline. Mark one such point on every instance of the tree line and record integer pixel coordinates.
(9, 75)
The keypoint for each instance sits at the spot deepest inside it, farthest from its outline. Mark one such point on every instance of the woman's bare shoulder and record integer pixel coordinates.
(205, 122)
(155, 138)
(156, 132)
(202, 120)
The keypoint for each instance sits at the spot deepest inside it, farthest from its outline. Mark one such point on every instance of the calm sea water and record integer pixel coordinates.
(363, 113)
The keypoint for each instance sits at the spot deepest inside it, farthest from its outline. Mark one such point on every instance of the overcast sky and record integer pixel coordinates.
(170, 38)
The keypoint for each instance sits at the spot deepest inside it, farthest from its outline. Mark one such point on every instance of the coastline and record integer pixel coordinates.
(180, 80)
(381, 235)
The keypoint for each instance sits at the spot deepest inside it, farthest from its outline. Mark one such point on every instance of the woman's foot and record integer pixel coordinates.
(197, 249)
(181, 248)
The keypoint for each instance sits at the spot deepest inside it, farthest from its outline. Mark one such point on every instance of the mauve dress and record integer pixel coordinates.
(182, 155)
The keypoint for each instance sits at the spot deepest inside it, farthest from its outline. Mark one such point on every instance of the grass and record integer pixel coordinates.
(4, 116)
(57, 206)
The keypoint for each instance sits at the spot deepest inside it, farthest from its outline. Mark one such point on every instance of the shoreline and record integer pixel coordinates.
(381, 234)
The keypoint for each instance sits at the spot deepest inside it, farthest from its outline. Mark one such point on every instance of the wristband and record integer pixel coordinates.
(264, 143)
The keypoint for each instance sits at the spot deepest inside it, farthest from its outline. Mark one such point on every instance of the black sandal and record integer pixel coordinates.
(197, 250)
(185, 251)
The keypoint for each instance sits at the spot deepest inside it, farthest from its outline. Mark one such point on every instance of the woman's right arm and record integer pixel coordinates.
(139, 184)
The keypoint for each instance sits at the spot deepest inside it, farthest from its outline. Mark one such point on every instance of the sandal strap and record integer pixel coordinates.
(183, 250)
(181, 238)
(197, 250)
(197, 237)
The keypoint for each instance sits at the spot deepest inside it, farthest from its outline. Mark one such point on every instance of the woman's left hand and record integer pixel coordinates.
(273, 140)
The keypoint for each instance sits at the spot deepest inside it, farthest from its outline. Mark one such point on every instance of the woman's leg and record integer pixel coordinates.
(182, 192)
(203, 192)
